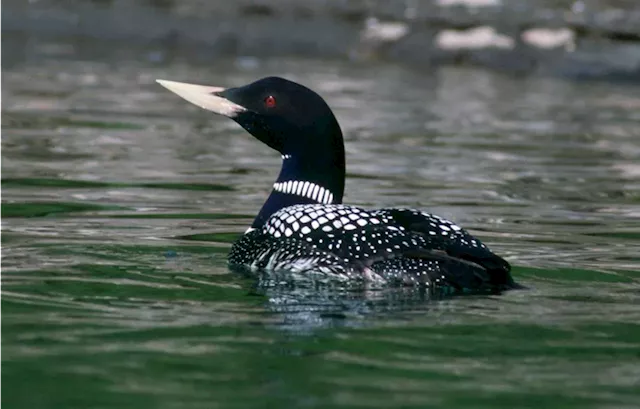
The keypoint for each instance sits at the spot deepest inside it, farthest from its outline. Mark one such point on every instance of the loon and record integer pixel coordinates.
(304, 228)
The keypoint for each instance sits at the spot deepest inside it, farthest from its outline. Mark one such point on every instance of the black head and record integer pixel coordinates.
(289, 118)
(286, 116)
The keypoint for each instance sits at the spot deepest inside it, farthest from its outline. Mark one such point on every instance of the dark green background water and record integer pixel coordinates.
(120, 201)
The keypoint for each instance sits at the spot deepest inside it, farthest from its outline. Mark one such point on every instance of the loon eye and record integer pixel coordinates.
(270, 101)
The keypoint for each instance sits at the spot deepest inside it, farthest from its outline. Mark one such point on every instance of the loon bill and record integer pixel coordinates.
(304, 229)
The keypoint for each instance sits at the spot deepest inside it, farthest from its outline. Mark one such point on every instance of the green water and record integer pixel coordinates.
(120, 201)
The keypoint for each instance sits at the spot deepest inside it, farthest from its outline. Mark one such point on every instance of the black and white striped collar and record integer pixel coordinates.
(306, 189)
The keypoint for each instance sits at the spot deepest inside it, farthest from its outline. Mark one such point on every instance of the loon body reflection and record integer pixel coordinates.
(304, 228)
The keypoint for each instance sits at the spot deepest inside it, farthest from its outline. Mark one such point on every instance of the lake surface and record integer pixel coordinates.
(120, 201)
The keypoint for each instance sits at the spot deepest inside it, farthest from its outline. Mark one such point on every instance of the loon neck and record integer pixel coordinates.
(304, 181)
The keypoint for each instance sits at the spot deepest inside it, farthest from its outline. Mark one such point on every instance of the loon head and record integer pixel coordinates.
(293, 120)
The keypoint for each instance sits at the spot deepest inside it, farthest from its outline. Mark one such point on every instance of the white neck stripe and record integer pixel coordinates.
(306, 189)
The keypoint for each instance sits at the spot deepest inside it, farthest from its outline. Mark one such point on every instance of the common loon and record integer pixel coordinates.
(303, 228)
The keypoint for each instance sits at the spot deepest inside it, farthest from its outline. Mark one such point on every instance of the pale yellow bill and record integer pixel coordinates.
(202, 96)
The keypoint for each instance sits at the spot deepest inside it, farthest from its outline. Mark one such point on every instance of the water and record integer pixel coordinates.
(120, 201)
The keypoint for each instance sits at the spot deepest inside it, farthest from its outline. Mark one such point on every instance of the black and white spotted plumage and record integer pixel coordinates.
(389, 246)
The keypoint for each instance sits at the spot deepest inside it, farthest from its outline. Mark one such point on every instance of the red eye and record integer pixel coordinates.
(270, 101)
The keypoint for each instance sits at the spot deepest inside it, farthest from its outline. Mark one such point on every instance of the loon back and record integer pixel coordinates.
(304, 229)
(394, 246)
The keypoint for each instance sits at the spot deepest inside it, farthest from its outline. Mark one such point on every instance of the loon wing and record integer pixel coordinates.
(455, 241)
(405, 257)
